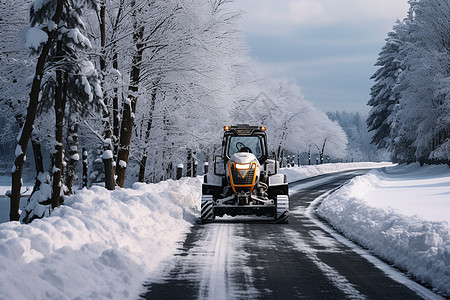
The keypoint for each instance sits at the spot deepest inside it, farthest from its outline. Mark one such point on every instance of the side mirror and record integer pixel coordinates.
(219, 166)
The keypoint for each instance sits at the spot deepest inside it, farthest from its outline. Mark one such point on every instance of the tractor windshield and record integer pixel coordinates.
(250, 144)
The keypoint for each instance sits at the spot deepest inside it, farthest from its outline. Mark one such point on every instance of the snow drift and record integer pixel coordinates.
(101, 244)
(384, 211)
(105, 244)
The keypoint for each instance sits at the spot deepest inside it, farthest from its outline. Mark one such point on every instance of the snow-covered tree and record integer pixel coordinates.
(359, 147)
(186, 84)
(292, 123)
(64, 74)
(422, 114)
(39, 39)
(14, 63)
(419, 121)
(382, 96)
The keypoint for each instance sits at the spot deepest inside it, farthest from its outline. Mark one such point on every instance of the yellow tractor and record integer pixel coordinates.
(244, 181)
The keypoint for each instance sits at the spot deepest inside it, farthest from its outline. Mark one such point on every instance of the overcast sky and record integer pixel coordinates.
(328, 46)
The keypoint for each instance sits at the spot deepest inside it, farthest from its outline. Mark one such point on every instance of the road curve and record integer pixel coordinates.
(250, 258)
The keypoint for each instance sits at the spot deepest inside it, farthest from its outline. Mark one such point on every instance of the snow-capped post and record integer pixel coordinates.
(108, 159)
(194, 170)
(205, 168)
(180, 171)
(309, 156)
(194, 164)
(47, 38)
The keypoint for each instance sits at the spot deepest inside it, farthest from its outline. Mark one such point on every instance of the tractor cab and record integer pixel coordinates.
(244, 138)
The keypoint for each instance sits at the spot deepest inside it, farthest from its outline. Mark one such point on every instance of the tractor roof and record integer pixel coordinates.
(244, 129)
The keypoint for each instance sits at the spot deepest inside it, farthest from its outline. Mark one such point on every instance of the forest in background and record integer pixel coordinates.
(141, 85)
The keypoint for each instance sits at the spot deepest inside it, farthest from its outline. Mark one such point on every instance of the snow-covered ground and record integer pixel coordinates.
(402, 214)
(104, 244)
(302, 172)
(99, 245)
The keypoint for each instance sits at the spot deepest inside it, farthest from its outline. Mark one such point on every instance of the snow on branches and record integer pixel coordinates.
(411, 96)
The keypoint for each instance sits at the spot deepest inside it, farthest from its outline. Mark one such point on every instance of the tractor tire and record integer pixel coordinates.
(207, 214)
(282, 216)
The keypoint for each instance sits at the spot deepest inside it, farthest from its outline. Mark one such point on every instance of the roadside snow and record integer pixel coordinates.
(101, 244)
(402, 214)
(302, 172)
(104, 244)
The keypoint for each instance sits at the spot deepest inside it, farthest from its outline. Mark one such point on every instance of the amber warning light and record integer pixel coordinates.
(226, 128)
(263, 128)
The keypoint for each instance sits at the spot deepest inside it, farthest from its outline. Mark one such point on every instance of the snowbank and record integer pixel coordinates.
(105, 244)
(302, 172)
(402, 214)
(293, 174)
(101, 244)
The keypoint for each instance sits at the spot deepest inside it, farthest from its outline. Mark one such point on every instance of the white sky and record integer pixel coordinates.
(328, 46)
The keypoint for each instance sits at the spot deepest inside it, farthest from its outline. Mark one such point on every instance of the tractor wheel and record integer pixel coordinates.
(207, 209)
(282, 216)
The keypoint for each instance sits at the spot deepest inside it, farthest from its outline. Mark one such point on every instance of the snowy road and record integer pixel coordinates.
(242, 258)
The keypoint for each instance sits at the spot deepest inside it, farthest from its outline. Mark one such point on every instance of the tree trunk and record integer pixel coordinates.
(129, 108)
(189, 163)
(38, 163)
(323, 149)
(85, 168)
(125, 139)
(108, 163)
(27, 128)
(102, 36)
(108, 160)
(115, 99)
(72, 145)
(115, 112)
(143, 163)
(59, 115)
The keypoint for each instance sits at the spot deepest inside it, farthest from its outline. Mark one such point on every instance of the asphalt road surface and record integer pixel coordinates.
(252, 258)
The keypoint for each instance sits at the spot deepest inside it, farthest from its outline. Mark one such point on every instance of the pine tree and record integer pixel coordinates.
(382, 96)
(422, 114)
